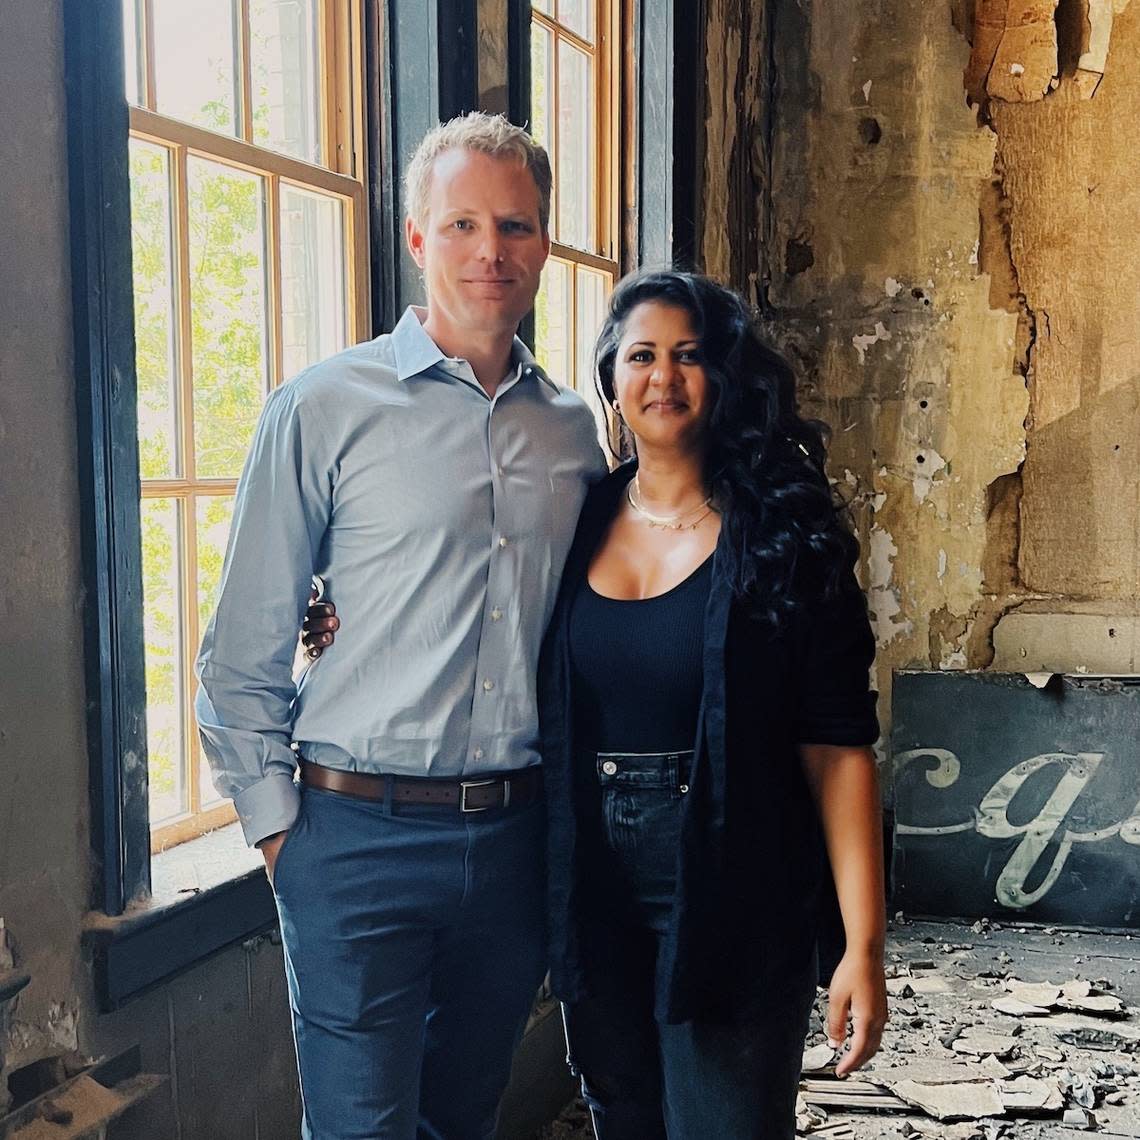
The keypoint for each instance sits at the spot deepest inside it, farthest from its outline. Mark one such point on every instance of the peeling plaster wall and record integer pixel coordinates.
(1069, 172)
(958, 285)
(221, 1031)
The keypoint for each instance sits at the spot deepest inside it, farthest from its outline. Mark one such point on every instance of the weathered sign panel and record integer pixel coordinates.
(1017, 802)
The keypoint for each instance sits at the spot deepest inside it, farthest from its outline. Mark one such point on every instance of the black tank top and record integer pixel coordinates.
(635, 667)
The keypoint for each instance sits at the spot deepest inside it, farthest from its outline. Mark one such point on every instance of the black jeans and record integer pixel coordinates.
(644, 1079)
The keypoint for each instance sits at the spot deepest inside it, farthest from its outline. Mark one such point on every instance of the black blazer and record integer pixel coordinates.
(752, 863)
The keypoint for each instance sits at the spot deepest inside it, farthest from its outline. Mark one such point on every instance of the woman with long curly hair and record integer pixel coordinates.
(706, 725)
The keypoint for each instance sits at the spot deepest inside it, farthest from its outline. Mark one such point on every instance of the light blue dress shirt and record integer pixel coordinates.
(439, 519)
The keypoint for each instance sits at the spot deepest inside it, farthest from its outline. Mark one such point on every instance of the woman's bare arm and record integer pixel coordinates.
(844, 783)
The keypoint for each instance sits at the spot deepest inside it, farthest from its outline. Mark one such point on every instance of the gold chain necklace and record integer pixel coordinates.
(667, 522)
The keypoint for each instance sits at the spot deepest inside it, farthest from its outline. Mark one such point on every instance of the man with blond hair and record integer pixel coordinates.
(433, 478)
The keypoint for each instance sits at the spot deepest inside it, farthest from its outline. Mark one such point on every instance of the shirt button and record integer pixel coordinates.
(488, 685)
(502, 542)
(502, 471)
(610, 768)
(496, 613)
(478, 754)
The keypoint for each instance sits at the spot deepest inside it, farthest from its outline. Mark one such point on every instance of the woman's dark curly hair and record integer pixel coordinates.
(789, 537)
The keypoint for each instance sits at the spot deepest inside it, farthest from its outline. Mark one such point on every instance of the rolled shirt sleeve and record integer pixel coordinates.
(835, 703)
(244, 667)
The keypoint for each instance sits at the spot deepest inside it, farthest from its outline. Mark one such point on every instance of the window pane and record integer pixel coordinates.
(131, 61)
(578, 16)
(312, 278)
(194, 74)
(165, 674)
(541, 84)
(575, 147)
(285, 58)
(593, 287)
(154, 311)
(227, 312)
(546, 6)
(213, 516)
(552, 317)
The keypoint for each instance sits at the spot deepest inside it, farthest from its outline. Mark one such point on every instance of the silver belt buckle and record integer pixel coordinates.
(465, 784)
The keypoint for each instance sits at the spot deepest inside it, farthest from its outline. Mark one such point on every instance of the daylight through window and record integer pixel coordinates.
(250, 262)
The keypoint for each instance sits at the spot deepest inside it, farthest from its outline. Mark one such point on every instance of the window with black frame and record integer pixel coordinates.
(250, 262)
(575, 84)
(235, 213)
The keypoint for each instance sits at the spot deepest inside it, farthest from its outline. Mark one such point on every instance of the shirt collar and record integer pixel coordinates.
(416, 352)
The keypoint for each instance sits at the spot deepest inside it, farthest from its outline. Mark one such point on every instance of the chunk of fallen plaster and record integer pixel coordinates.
(930, 985)
(961, 1101)
(1013, 1007)
(817, 1058)
(992, 1067)
(1028, 1094)
(1079, 1118)
(978, 1043)
(1085, 1036)
(929, 1071)
(1100, 1005)
(1034, 993)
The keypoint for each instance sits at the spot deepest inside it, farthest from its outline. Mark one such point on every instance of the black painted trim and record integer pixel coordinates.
(384, 236)
(135, 953)
(432, 76)
(457, 47)
(518, 99)
(669, 58)
(103, 306)
(518, 62)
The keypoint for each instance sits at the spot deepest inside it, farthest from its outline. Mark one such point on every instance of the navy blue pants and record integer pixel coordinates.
(649, 1080)
(414, 948)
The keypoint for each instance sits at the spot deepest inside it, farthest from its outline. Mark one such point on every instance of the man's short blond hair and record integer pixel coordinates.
(489, 134)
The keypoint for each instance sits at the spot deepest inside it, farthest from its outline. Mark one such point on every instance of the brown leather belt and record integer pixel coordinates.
(511, 789)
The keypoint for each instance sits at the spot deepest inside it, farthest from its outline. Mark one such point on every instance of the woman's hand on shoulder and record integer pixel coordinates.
(858, 993)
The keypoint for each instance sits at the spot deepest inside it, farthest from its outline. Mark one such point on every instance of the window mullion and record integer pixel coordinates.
(245, 70)
(185, 354)
(573, 361)
(230, 151)
(354, 97)
(145, 16)
(604, 144)
(358, 311)
(187, 468)
(273, 294)
(554, 102)
(189, 623)
(327, 57)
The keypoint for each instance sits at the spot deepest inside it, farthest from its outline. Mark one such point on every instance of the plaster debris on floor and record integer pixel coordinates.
(997, 1032)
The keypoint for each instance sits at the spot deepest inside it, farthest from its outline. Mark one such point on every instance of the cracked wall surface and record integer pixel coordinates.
(957, 281)
(1068, 169)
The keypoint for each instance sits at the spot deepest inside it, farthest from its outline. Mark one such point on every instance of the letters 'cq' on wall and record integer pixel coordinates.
(1017, 802)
